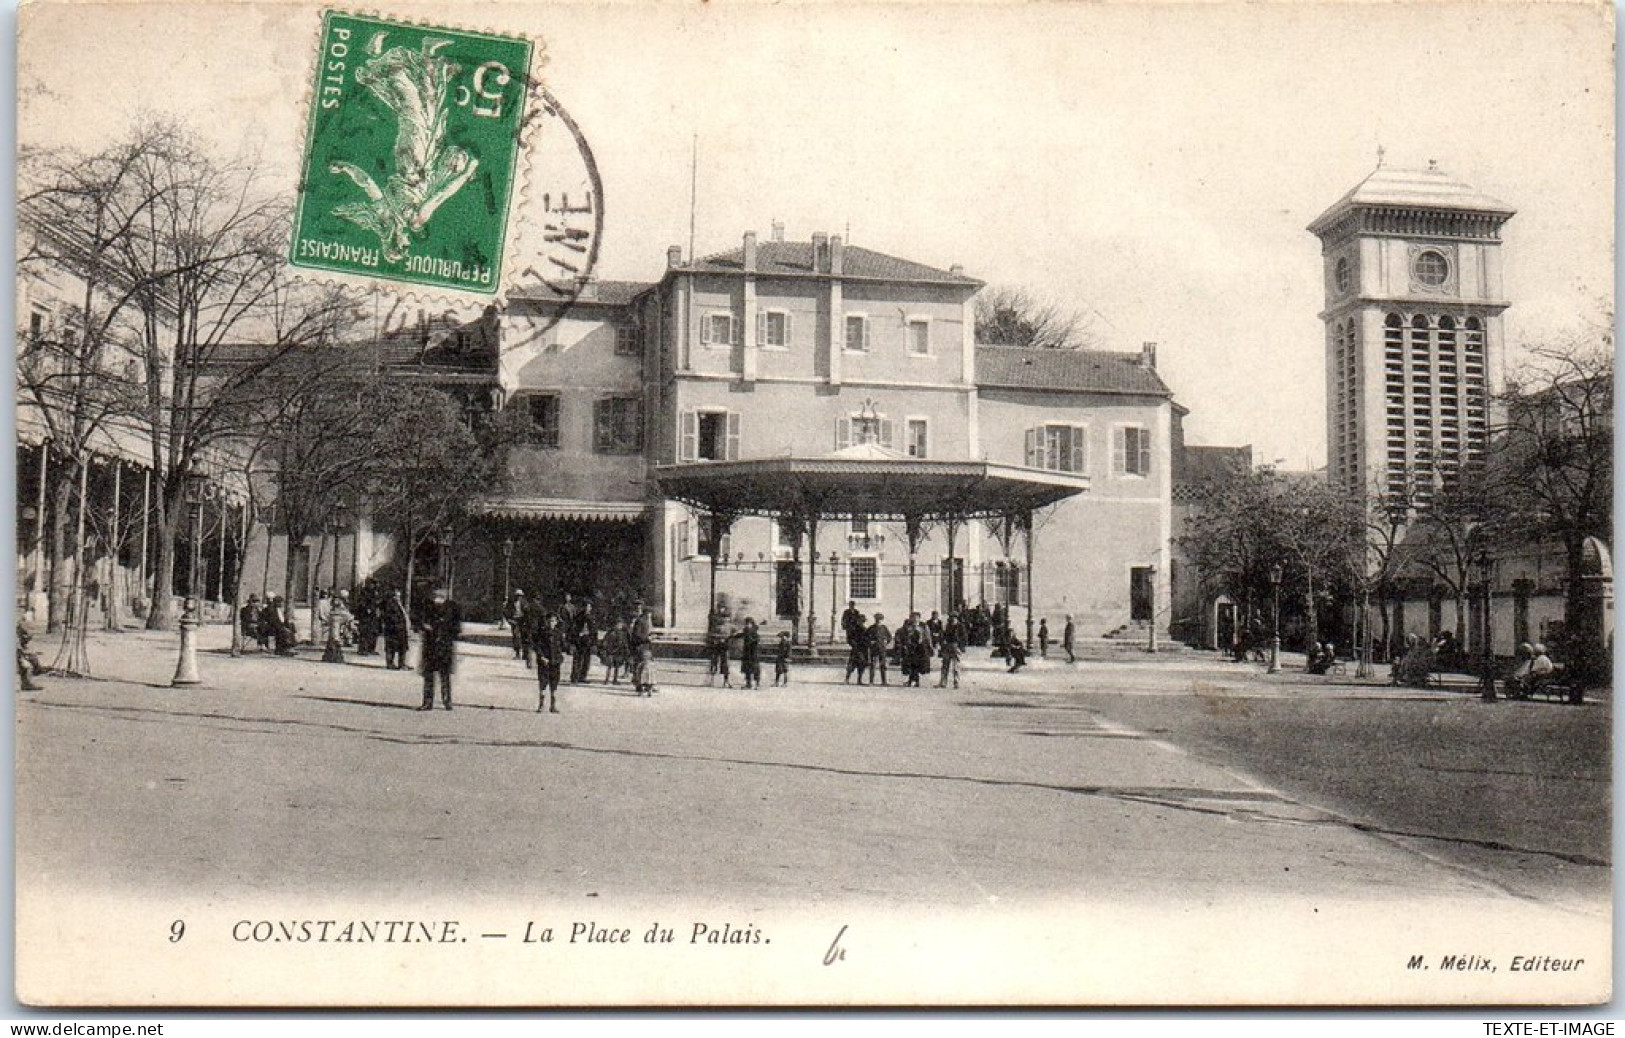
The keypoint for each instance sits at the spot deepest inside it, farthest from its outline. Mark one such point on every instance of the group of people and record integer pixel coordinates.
(338, 621)
(721, 641)
(542, 637)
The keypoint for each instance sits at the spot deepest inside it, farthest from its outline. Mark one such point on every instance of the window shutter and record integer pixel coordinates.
(1016, 589)
(843, 433)
(761, 328)
(888, 434)
(1077, 448)
(738, 329)
(786, 342)
(602, 435)
(1145, 452)
(987, 592)
(705, 330)
(691, 436)
(685, 546)
(732, 451)
(1119, 450)
(1033, 460)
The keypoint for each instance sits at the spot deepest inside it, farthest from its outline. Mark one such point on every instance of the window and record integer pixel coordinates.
(919, 337)
(773, 330)
(1058, 448)
(1343, 275)
(1431, 268)
(915, 441)
(1006, 580)
(709, 436)
(865, 428)
(857, 333)
(784, 535)
(860, 527)
(544, 418)
(1131, 450)
(36, 325)
(863, 579)
(626, 341)
(702, 538)
(617, 425)
(719, 329)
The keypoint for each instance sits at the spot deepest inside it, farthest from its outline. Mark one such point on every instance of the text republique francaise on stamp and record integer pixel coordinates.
(413, 153)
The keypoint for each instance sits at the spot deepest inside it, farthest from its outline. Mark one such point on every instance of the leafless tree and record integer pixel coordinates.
(1010, 316)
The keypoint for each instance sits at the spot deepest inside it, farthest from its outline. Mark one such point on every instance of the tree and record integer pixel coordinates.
(1008, 316)
(1549, 472)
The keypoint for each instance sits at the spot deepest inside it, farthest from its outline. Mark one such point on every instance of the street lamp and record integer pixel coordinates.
(507, 562)
(1486, 577)
(186, 672)
(834, 570)
(1275, 621)
(446, 573)
(1151, 641)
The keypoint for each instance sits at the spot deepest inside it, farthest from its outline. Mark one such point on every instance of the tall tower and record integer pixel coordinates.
(1412, 264)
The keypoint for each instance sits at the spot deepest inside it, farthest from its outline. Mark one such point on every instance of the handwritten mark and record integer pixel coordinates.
(836, 953)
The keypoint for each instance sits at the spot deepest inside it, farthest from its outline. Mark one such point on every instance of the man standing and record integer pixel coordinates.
(584, 639)
(879, 649)
(442, 623)
(395, 624)
(520, 623)
(1068, 633)
(367, 608)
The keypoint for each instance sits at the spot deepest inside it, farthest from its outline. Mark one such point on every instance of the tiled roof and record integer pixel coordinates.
(1075, 371)
(796, 257)
(603, 293)
(1197, 465)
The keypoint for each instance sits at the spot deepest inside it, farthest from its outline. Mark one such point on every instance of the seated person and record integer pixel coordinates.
(1321, 658)
(1416, 666)
(1534, 671)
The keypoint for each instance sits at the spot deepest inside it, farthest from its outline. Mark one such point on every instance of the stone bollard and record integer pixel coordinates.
(186, 666)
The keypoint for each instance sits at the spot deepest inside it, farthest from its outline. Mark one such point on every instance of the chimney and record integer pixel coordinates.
(778, 230)
(1148, 355)
(957, 270)
(750, 252)
(674, 256)
(820, 243)
(836, 259)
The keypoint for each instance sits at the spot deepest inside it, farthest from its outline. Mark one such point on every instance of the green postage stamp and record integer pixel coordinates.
(412, 153)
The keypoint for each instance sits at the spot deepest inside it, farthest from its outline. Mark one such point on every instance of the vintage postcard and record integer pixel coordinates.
(874, 504)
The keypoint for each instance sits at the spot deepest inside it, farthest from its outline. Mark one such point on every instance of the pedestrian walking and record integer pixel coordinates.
(781, 660)
(750, 663)
(442, 625)
(338, 616)
(369, 605)
(396, 627)
(857, 657)
(1068, 636)
(1043, 638)
(916, 650)
(547, 640)
(717, 637)
(950, 651)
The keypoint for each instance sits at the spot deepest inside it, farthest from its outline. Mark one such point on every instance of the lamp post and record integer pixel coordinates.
(447, 574)
(1151, 640)
(1275, 620)
(1486, 577)
(507, 563)
(834, 569)
(186, 672)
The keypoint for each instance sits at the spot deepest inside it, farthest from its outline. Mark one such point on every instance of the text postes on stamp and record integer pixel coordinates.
(412, 154)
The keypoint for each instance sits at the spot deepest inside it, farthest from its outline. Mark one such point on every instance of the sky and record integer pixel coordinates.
(1152, 166)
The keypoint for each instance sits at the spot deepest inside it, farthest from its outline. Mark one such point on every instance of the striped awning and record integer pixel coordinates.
(560, 509)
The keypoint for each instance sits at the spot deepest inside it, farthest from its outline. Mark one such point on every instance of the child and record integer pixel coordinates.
(781, 661)
(1043, 638)
(950, 662)
(617, 647)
